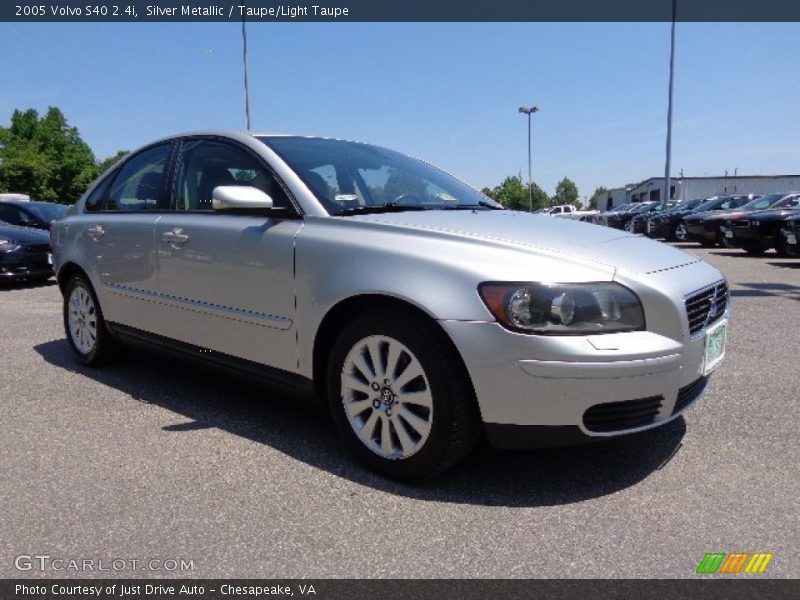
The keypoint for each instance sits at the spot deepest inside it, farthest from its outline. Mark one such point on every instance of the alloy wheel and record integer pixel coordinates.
(680, 232)
(82, 319)
(387, 397)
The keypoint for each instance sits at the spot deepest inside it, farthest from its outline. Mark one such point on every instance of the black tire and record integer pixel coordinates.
(781, 246)
(672, 233)
(455, 423)
(755, 250)
(105, 349)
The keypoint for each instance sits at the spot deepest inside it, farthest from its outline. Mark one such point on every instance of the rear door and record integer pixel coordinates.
(118, 229)
(226, 281)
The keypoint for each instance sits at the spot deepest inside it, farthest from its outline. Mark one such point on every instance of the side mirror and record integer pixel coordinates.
(239, 197)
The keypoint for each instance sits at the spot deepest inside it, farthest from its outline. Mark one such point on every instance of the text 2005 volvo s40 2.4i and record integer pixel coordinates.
(417, 309)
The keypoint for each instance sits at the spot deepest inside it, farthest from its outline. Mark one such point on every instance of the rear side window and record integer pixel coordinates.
(138, 185)
(95, 200)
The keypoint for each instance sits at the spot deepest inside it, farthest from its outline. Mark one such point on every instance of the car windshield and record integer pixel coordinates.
(690, 204)
(789, 202)
(47, 211)
(763, 202)
(351, 177)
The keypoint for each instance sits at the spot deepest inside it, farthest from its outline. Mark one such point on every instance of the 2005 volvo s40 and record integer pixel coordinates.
(418, 310)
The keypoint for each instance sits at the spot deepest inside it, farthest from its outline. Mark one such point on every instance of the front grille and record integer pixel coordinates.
(618, 416)
(740, 223)
(689, 393)
(706, 305)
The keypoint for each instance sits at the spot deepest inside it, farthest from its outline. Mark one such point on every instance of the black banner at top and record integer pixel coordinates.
(396, 10)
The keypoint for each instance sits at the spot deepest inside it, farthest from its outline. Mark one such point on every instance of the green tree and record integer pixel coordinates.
(107, 163)
(599, 194)
(44, 157)
(513, 194)
(540, 198)
(566, 193)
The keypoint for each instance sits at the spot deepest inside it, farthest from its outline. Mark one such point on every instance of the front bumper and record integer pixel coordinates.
(791, 238)
(25, 265)
(701, 232)
(748, 236)
(554, 390)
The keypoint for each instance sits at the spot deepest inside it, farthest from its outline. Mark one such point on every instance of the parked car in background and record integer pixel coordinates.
(24, 254)
(667, 224)
(30, 213)
(568, 211)
(618, 219)
(421, 313)
(758, 231)
(14, 196)
(638, 223)
(705, 228)
(790, 235)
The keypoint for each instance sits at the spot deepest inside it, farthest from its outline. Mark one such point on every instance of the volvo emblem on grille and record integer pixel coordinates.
(713, 306)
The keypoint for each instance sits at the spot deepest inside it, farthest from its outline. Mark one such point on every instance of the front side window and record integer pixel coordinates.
(206, 164)
(350, 176)
(138, 185)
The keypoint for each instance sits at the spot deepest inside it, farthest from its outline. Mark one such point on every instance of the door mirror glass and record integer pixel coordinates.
(239, 197)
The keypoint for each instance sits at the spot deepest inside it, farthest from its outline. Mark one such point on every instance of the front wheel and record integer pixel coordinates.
(84, 324)
(399, 397)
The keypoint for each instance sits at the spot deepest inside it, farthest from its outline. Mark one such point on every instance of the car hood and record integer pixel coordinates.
(772, 214)
(543, 235)
(24, 235)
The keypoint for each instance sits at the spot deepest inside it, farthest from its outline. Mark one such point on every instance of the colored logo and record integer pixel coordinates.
(736, 562)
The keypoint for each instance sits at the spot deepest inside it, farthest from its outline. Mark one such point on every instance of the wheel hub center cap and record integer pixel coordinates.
(387, 396)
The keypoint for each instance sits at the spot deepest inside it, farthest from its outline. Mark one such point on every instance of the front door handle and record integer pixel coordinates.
(95, 232)
(175, 237)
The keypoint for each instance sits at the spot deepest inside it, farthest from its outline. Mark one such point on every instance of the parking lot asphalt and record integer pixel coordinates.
(159, 458)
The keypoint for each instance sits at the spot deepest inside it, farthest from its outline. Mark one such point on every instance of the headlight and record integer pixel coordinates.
(564, 308)
(7, 246)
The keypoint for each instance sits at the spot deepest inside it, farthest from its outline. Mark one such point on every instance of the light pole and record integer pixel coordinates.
(667, 183)
(529, 112)
(246, 84)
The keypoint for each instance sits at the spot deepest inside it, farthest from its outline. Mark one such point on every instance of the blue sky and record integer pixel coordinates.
(447, 93)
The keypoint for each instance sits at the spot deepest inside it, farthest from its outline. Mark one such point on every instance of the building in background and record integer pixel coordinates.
(687, 188)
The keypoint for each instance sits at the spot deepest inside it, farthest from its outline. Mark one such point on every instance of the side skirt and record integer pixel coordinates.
(289, 382)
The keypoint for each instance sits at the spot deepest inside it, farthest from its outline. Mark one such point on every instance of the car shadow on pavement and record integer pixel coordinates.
(767, 290)
(789, 264)
(213, 398)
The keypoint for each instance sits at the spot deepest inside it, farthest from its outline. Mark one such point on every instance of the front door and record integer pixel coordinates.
(226, 281)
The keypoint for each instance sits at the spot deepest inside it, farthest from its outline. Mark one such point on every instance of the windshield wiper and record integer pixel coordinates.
(368, 209)
(479, 204)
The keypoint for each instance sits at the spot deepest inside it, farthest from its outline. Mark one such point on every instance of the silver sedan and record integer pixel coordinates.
(417, 310)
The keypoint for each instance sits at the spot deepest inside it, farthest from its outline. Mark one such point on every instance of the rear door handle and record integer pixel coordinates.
(176, 236)
(95, 232)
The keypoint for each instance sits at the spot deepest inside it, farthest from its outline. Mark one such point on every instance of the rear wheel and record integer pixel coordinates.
(781, 247)
(84, 324)
(399, 398)
(679, 233)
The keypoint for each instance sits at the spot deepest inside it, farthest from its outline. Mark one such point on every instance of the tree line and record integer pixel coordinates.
(45, 157)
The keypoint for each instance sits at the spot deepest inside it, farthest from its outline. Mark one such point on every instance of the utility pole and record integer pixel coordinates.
(529, 112)
(667, 183)
(246, 85)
